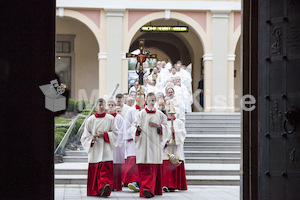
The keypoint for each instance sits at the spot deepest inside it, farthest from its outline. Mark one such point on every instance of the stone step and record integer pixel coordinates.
(212, 137)
(200, 132)
(76, 153)
(191, 180)
(212, 143)
(70, 179)
(212, 169)
(193, 116)
(213, 180)
(75, 159)
(213, 160)
(71, 168)
(211, 125)
(223, 154)
(213, 129)
(213, 121)
(212, 148)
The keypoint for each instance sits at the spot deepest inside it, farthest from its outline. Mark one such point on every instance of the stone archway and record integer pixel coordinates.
(85, 63)
(190, 43)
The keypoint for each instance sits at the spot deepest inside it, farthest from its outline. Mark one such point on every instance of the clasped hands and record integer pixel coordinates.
(99, 134)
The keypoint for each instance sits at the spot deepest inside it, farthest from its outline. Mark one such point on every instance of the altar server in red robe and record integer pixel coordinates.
(174, 175)
(147, 131)
(99, 138)
(131, 172)
(119, 151)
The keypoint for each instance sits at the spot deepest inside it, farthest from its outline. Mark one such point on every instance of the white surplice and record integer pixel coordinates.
(119, 151)
(101, 151)
(180, 134)
(179, 114)
(125, 108)
(149, 144)
(129, 143)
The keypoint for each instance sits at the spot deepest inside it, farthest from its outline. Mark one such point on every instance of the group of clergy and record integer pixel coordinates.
(139, 145)
(166, 77)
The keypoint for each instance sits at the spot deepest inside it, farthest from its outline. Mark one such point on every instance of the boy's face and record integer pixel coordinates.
(119, 111)
(151, 101)
(111, 107)
(161, 105)
(140, 101)
(133, 94)
(101, 107)
(119, 101)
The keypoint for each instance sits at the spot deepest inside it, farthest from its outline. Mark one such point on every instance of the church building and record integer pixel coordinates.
(93, 37)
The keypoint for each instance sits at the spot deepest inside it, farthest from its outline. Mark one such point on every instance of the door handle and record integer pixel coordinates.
(292, 117)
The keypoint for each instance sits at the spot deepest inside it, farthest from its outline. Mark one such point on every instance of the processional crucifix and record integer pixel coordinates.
(141, 58)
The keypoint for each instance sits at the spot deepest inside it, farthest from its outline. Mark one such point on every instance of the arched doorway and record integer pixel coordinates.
(173, 46)
(84, 62)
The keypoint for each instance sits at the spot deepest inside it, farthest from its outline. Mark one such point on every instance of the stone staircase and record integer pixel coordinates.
(212, 148)
(212, 152)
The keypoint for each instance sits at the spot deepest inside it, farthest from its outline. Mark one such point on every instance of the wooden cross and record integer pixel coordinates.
(141, 58)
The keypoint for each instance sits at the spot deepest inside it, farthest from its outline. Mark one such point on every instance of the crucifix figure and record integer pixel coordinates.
(141, 58)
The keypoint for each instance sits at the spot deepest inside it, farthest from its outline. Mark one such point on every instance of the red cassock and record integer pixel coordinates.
(117, 177)
(131, 171)
(100, 152)
(99, 174)
(148, 152)
(150, 178)
(174, 176)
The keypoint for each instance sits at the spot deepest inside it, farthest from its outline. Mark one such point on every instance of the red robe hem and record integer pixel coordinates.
(174, 176)
(131, 171)
(118, 177)
(99, 174)
(150, 178)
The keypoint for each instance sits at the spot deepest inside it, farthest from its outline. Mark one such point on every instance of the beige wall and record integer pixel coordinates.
(86, 50)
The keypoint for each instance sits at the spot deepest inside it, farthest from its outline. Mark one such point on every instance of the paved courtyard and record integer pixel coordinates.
(78, 192)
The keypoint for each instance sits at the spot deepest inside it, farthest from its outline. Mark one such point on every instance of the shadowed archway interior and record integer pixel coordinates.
(169, 43)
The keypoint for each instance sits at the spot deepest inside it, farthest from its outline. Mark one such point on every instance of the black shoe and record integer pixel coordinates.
(105, 191)
(147, 194)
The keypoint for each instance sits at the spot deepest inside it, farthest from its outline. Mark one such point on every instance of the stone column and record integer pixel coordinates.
(230, 86)
(114, 19)
(207, 59)
(219, 66)
(102, 57)
(124, 82)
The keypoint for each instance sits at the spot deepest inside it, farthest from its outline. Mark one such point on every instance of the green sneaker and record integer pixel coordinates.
(134, 186)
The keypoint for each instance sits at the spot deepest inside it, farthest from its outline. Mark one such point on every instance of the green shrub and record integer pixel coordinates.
(71, 104)
(58, 137)
(80, 106)
(61, 128)
(87, 111)
(61, 120)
